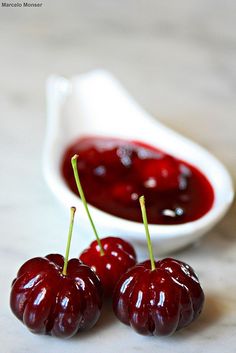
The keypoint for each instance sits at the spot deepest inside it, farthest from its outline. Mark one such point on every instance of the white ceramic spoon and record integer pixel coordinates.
(96, 104)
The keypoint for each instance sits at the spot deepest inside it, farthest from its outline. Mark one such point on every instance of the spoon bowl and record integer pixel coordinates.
(96, 104)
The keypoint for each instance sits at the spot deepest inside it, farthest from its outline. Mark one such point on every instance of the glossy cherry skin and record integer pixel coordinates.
(160, 174)
(118, 257)
(161, 301)
(48, 302)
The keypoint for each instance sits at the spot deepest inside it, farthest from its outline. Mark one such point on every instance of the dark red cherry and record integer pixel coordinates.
(125, 193)
(109, 257)
(160, 174)
(54, 296)
(91, 156)
(109, 157)
(118, 257)
(48, 302)
(158, 302)
(158, 297)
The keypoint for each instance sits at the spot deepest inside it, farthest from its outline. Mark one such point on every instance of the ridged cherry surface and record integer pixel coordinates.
(118, 257)
(48, 302)
(158, 302)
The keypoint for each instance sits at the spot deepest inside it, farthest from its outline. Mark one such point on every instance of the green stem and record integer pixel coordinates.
(72, 216)
(145, 222)
(81, 192)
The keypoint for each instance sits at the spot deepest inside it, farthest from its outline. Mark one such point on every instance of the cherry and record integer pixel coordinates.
(91, 156)
(118, 257)
(111, 163)
(160, 174)
(109, 157)
(109, 257)
(125, 193)
(158, 297)
(54, 296)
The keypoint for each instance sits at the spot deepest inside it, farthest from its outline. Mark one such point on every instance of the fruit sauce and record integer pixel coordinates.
(114, 173)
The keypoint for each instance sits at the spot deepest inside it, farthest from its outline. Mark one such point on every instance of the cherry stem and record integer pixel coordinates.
(145, 222)
(72, 216)
(81, 193)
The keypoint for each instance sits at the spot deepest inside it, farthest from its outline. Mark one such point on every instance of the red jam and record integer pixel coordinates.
(115, 172)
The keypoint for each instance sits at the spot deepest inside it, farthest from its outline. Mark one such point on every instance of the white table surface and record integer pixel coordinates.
(178, 59)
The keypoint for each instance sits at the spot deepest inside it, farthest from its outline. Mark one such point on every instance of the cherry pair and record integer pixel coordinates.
(52, 295)
(59, 297)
